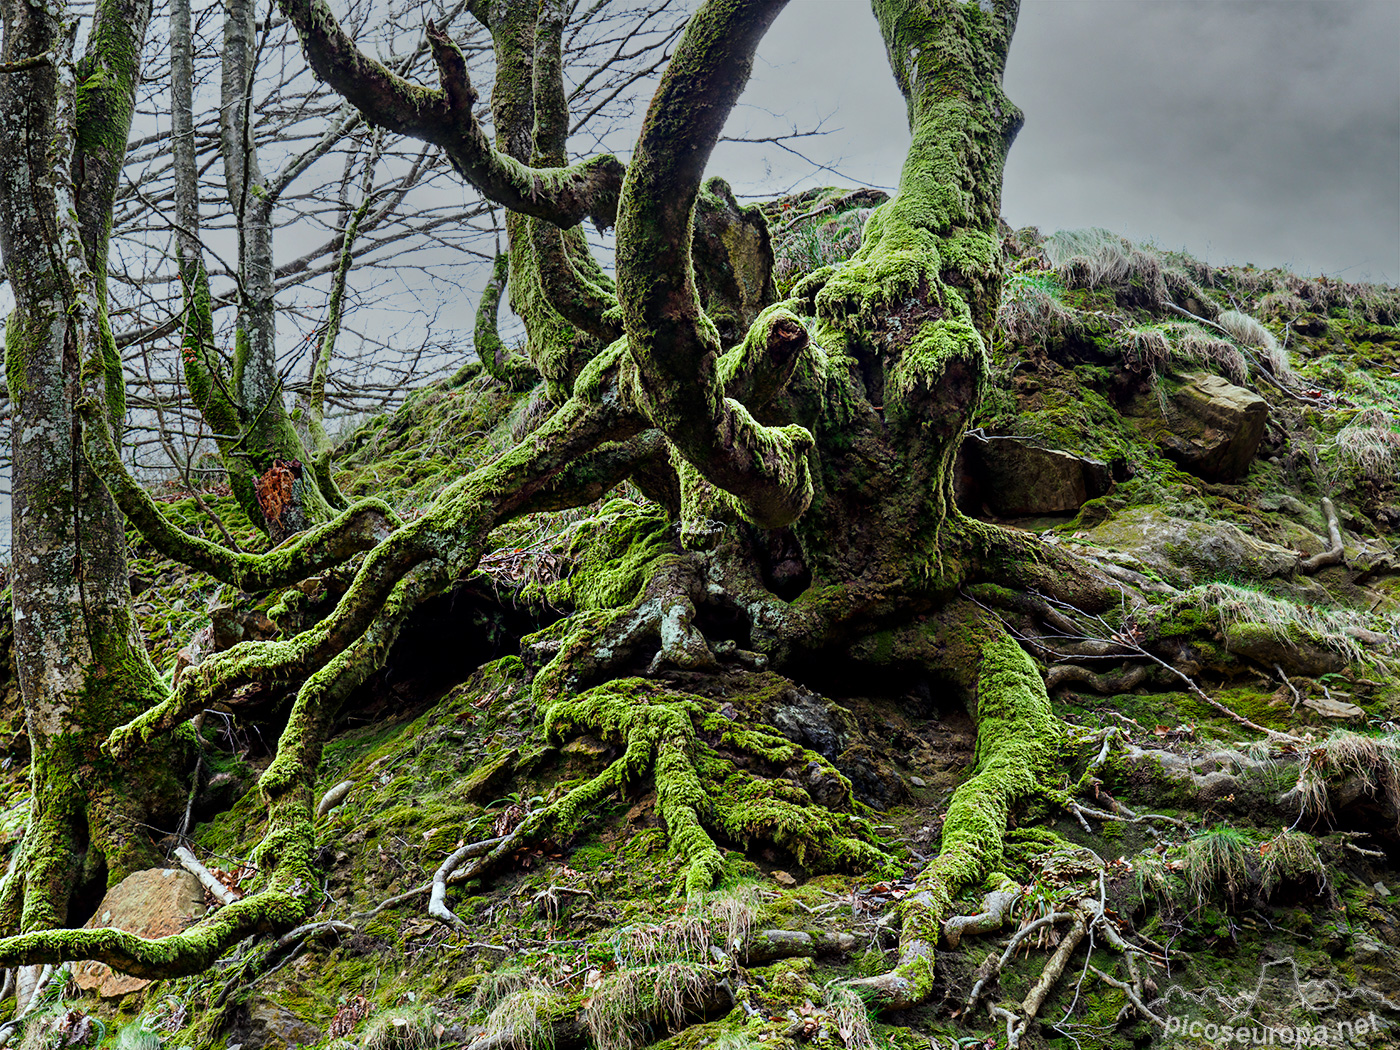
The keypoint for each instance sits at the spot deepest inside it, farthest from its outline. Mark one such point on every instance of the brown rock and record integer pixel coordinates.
(1017, 479)
(1208, 425)
(152, 903)
(782, 878)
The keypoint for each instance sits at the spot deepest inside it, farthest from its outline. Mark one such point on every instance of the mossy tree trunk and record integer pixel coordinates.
(837, 450)
(80, 659)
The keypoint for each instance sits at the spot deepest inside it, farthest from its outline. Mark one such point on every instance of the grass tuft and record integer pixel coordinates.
(1290, 857)
(624, 1007)
(404, 1028)
(1287, 621)
(1370, 444)
(850, 1016)
(1223, 860)
(1246, 330)
(523, 1017)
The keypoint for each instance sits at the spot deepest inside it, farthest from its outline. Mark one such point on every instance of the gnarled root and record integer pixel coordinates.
(1018, 740)
(699, 792)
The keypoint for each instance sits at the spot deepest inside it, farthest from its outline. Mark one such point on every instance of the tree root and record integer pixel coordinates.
(1018, 739)
(1086, 916)
(287, 849)
(1335, 553)
(659, 735)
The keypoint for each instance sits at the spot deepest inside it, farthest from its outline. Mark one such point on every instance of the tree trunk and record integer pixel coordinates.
(79, 655)
(288, 497)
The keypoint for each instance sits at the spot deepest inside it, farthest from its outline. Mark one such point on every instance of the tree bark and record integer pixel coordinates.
(79, 656)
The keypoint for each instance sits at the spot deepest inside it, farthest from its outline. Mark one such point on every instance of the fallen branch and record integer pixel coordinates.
(207, 878)
(334, 797)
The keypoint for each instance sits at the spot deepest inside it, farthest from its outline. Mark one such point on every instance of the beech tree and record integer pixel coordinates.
(804, 448)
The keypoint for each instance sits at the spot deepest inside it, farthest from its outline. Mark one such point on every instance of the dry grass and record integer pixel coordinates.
(1281, 305)
(686, 937)
(850, 1016)
(1290, 856)
(1194, 343)
(497, 986)
(725, 916)
(1370, 444)
(626, 1005)
(405, 1028)
(1031, 309)
(1145, 346)
(1094, 258)
(1249, 332)
(1285, 620)
(524, 1017)
(732, 913)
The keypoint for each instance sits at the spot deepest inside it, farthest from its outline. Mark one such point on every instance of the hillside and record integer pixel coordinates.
(1223, 441)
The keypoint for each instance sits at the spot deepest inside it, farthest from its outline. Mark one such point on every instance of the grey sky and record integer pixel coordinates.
(1264, 131)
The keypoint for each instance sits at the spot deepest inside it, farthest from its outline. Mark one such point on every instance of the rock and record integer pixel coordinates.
(1381, 889)
(1333, 708)
(1184, 552)
(1018, 479)
(782, 878)
(262, 1023)
(810, 720)
(872, 779)
(230, 624)
(152, 903)
(918, 782)
(1206, 424)
(1297, 652)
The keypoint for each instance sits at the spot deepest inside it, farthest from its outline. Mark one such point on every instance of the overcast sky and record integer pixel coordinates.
(1264, 131)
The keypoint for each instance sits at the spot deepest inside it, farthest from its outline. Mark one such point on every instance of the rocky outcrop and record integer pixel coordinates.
(1014, 478)
(152, 903)
(1209, 426)
(262, 1023)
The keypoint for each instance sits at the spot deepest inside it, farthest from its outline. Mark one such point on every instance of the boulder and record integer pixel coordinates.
(262, 1023)
(1209, 426)
(152, 903)
(1018, 479)
(1294, 649)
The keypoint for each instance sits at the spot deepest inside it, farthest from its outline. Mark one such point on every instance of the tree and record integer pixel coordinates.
(82, 665)
(804, 448)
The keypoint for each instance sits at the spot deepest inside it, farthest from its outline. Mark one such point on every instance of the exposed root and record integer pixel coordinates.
(658, 730)
(1334, 553)
(1017, 748)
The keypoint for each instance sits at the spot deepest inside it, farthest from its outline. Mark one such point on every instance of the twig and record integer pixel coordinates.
(191, 863)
